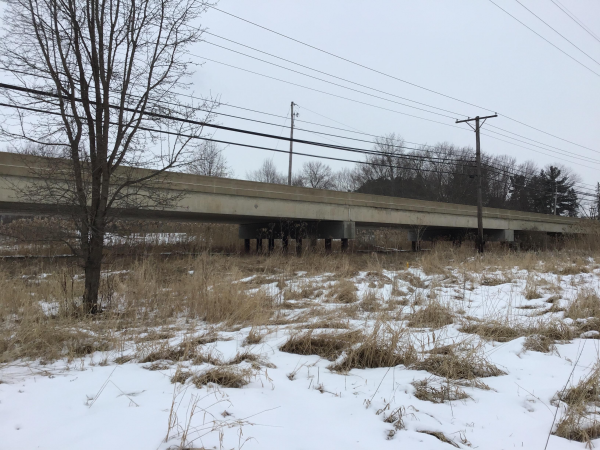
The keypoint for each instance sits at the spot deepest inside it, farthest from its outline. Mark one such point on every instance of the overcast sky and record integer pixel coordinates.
(467, 49)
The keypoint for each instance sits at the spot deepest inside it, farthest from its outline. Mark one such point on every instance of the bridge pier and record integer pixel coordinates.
(344, 245)
(284, 244)
(286, 229)
(246, 246)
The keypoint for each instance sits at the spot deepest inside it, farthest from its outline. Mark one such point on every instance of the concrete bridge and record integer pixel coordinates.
(273, 211)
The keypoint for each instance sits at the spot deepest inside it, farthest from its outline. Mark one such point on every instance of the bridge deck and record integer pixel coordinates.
(213, 199)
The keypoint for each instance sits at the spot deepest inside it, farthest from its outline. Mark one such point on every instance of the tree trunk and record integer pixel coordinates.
(93, 268)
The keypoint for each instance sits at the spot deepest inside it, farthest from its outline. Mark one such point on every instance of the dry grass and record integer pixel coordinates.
(467, 364)
(181, 376)
(579, 421)
(144, 296)
(228, 377)
(344, 291)
(539, 343)
(371, 301)
(383, 347)
(433, 315)
(438, 392)
(495, 331)
(532, 286)
(585, 305)
(441, 436)
(255, 336)
(326, 345)
(326, 323)
(40, 314)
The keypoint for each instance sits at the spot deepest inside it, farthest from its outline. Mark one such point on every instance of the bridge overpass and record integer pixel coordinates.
(274, 211)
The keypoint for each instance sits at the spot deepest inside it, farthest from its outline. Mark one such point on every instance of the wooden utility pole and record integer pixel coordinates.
(479, 241)
(291, 146)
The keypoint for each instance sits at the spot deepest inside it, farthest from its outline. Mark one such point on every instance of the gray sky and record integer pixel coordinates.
(466, 49)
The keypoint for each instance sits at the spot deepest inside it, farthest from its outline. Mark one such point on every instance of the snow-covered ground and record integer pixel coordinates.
(294, 401)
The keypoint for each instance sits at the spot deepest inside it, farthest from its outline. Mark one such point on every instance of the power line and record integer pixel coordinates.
(575, 19)
(538, 142)
(347, 60)
(273, 124)
(267, 123)
(388, 75)
(327, 81)
(557, 32)
(193, 122)
(353, 100)
(355, 90)
(576, 156)
(538, 34)
(327, 93)
(324, 73)
(191, 136)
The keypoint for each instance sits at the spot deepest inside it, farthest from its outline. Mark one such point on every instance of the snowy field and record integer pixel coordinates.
(481, 360)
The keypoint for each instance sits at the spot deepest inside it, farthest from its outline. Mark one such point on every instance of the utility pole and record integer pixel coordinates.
(555, 197)
(477, 128)
(598, 201)
(291, 146)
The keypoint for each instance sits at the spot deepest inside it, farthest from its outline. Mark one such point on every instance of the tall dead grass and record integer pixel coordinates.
(579, 421)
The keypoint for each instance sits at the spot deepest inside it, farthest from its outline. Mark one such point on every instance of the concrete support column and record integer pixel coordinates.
(298, 247)
(246, 246)
(344, 245)
(259, 246)
(284, 244)
(271, 245)
(327, 245)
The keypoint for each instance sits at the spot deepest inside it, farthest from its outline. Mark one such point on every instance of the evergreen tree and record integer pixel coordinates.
(551, 183)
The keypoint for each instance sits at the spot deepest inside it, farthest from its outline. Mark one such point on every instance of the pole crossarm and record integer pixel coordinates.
(476, 118)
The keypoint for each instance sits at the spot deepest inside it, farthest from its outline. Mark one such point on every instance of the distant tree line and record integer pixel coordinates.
(441, 173)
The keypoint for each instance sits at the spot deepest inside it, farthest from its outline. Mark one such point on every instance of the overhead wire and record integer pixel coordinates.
(575, 19)
(388, 75)
(542, 37)
(557, 32)
(228, 115)
(193, 122)
(345, 87)
(328, 93)
(324, 73)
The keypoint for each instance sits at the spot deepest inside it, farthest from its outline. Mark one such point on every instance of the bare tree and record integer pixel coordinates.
(101, 80)
(384, 164)
(208, 160)
(346, 180)
(267, 173)
(317, 175)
